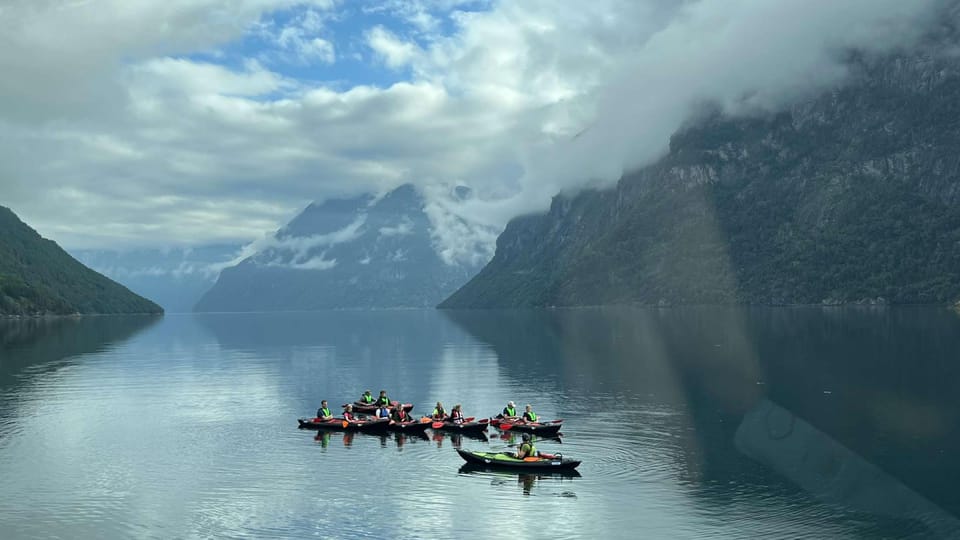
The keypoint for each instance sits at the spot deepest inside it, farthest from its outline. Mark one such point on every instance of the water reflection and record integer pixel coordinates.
(456, 439)
(31, 350)
(512, 438)
(880, 383)
(526, 481)
(29, 344)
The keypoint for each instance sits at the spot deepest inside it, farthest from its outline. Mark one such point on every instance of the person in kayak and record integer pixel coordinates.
(383, 411)
(526, 449)
(456, 415)
(528, 414)
(509, 412)
(348, 413)
(367, 398)
(323, 413)
(439, 413)
(399, 415)
(383, 399)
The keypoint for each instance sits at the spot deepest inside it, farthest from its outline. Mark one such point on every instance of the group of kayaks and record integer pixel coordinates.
(470, 426)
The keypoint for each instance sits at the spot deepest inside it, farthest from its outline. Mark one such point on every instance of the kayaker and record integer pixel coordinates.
(367, 398)
(439, 413)
(528, 414)
(323, 413)
(456, 415)
(399, 415)
(526, 449)
(509, 412)
(348, 413)
(383, 399)
(383, 411)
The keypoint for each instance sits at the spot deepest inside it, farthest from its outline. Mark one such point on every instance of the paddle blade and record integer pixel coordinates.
(436, 425)
(345, 423)
(531, 458)
(469, 419)
(505, 426)
(425, 419)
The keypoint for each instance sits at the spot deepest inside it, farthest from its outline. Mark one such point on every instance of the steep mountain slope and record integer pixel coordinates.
(850, 197)
(347, 253)
(39, 278)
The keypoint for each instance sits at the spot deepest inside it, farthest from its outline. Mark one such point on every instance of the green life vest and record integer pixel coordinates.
(532, 415)
(383, 400)
(531, 450)
(367, 398)
(325, 413)
(508, 411)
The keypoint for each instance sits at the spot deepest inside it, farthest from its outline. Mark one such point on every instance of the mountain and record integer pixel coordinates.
(850, 197)
(175, 278)
(38, 278)
(363, 252)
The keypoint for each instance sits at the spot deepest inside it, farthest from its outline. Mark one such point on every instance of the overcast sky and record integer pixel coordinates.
(127, 123)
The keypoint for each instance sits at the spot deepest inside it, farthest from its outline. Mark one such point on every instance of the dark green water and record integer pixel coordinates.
(691, 423)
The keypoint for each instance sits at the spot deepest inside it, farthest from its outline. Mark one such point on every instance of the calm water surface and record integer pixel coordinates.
(691, 423)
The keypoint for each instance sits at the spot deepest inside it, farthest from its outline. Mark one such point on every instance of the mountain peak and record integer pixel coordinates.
(344, 253)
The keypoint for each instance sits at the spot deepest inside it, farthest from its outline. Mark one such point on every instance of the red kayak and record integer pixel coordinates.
(547, 429)
(379, 425)
(465, 427)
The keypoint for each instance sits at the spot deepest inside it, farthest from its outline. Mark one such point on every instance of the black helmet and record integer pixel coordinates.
(526, 437)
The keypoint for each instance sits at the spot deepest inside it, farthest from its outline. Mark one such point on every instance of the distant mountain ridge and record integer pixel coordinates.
(852, 197)
(37, 277)
(175, 278)
(361, 252)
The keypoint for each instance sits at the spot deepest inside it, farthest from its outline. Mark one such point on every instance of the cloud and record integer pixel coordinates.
(456, 238)
(126, 124)
(403, 228)
(298, 252)
(746, 56)
(394, 52)
(302, 38)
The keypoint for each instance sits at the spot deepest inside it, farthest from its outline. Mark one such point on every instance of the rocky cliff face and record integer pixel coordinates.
(849, 197)
(349, 253)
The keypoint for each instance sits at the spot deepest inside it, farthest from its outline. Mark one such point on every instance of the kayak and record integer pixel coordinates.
(466, 427)
(500, 459)
(339, 424)
(359, 407)
(546, 429)
(413, 426)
